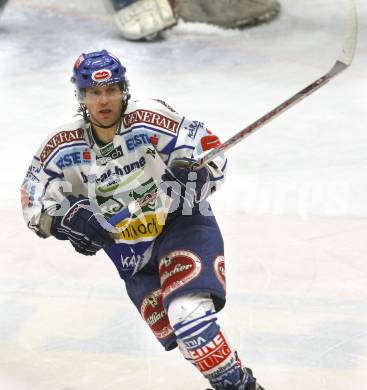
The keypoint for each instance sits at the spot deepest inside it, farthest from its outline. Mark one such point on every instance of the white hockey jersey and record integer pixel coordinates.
(70, 161)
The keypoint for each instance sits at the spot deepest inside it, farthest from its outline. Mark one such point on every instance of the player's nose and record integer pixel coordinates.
(103, 98)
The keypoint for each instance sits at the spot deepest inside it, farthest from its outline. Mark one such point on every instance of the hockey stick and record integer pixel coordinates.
(343, 62)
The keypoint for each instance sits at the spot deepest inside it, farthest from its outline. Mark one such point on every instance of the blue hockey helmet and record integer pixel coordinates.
(98, 69)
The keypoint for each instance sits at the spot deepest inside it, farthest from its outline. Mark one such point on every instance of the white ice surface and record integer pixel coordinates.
(293, 210)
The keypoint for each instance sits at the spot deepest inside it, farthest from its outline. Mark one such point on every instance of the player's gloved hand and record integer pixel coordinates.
(81, 225)
(195, 184)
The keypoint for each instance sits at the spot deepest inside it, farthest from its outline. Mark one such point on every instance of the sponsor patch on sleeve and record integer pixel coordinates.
(60, 138)
(28, 194)
(209, 142)
(151, 118)
(74, 156)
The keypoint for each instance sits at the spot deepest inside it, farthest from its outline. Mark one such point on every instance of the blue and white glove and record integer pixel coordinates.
(82, 226)
(194, 184)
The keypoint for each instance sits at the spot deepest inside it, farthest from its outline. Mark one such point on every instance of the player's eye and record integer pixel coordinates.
(112, 90)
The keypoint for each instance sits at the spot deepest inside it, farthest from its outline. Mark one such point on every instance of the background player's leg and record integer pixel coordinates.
(141, 19)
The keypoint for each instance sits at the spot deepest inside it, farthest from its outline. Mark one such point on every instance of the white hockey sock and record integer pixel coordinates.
(203, 343)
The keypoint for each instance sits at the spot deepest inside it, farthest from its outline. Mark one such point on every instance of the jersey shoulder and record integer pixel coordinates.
(153, 114)
(64, 135)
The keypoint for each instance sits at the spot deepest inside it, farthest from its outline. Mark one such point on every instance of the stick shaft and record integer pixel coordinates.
(343, 62)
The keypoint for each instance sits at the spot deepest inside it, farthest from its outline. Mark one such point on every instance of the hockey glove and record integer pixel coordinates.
(194, 184)
(81, 227)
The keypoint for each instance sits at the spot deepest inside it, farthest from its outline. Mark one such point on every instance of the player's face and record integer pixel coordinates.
(104, 103)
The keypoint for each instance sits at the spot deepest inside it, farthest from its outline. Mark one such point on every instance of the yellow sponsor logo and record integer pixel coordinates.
(148, 226)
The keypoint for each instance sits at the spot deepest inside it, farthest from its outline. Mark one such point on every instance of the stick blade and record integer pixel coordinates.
(350, 42)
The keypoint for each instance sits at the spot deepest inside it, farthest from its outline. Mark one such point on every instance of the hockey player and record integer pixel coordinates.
(169, 253)
(145, 19)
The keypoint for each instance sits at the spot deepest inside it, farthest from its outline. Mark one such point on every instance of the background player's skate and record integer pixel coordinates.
(2, 5)
(141, 19)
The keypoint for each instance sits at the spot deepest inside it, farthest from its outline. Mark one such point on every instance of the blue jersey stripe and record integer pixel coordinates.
(149, 128)
(183, 147)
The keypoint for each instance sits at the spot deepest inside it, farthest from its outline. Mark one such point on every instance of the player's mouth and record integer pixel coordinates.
(105, 113)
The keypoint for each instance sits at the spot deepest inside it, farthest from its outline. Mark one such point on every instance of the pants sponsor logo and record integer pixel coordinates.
(212, 354)
(147, 227)
(220, 270)
(135, 141)
(59, 139)
(113, 155)
(129, 262)
(153, 312)
(177, 269)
